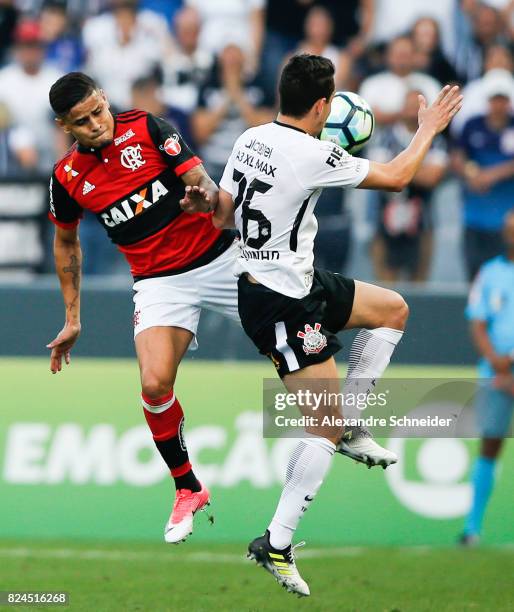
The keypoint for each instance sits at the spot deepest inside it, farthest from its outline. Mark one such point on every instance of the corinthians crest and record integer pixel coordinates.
(313, 340)
(132, 158)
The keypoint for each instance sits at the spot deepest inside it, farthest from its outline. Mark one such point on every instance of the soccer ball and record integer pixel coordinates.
(350, 123)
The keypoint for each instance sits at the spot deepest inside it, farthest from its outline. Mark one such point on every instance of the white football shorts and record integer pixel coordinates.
(177, 300)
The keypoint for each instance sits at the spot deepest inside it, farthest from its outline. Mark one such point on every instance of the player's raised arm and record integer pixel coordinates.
(201, 192)
(68, 260)
(399, 172)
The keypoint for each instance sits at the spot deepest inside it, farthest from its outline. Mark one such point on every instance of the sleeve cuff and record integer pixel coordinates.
(363, 172)
(187, 165)
(71, 225)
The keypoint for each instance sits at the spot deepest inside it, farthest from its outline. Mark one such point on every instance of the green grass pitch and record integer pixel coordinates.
(192, 578)
(103, 575)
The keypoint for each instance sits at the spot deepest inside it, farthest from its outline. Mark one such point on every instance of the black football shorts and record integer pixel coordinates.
(296, 333)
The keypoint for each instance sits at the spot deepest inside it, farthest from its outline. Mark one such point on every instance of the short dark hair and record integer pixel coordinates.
(305, 79)
(69, 90)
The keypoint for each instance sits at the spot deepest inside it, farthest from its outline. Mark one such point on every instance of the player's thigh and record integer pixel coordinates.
(217, 284)
(377, 307)
(320, 381)
(290, 332)
(493, 412)
(159, 352)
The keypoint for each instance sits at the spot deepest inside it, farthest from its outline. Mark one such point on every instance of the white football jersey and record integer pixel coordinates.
(275, 175)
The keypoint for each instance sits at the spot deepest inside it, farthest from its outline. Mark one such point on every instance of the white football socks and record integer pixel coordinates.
(306, 470)
(370, 354)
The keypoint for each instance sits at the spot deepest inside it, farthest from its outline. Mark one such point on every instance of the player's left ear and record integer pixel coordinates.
(62, 124)
(320, 106)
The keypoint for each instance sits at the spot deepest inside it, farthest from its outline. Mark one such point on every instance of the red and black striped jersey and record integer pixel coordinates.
(133, 187)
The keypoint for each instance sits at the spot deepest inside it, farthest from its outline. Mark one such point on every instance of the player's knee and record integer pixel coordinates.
(491, 447)
(338, 434)
(155, 387)
(397, 311)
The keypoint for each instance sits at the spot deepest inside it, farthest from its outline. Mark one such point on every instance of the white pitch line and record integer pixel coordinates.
(187, 557)
(198, 557)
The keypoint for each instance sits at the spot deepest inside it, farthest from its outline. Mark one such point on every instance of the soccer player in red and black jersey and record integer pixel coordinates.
(135, 172)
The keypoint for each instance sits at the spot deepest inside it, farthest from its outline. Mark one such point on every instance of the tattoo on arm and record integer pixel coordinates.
(71, 303)
(74, 268)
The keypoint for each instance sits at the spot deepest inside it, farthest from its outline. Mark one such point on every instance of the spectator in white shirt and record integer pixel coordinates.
(386, 91)
(24, 86)
(18, 154)
(122, 46)
(239, 21)
(395, 17)
(187, 67)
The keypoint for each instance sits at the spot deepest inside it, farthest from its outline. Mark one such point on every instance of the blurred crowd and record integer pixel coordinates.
(210, 67)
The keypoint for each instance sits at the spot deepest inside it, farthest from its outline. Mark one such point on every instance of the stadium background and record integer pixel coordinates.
(83, 494)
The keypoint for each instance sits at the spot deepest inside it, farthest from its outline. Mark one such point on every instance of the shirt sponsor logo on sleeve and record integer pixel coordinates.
(172, 145)
(124, 137)
(336, 157)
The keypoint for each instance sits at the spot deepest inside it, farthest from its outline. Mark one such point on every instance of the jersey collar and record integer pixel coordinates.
(291, 127)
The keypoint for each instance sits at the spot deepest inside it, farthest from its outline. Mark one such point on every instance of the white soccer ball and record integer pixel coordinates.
(350, 123)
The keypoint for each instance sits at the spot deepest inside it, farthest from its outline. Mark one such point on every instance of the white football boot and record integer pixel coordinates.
(358, 444)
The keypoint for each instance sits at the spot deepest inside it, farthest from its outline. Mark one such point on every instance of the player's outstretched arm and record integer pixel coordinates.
(68, 260)
(223, 217)
(399, 172)
(201, 193)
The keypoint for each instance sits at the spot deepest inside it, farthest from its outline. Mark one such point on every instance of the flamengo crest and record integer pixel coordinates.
(313, 340)
(132, 158)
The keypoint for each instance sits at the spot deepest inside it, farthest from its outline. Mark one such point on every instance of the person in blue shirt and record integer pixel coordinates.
(491, 312)
(64, 47)
(484, 159)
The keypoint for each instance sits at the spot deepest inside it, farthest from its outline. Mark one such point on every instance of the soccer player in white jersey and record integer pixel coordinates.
(289, 309)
